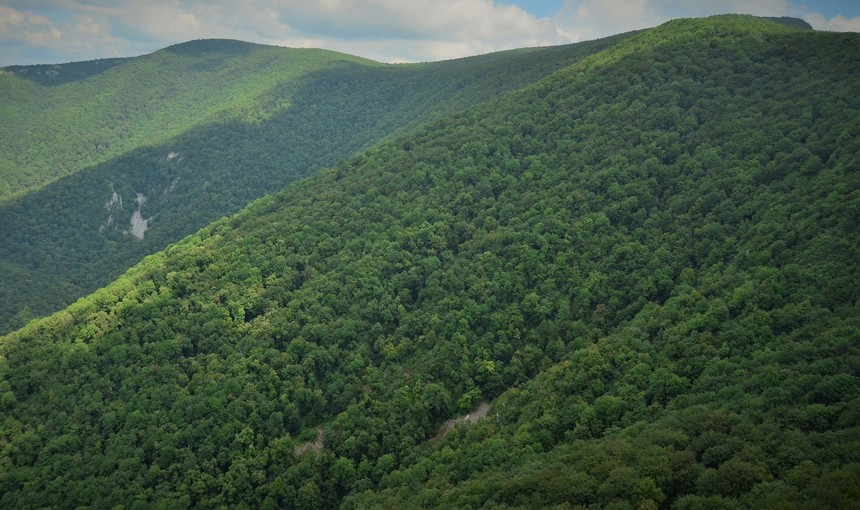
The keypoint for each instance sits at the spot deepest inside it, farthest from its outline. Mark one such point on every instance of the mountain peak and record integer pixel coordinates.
(791, 22)
(734, 24)
(223, 46)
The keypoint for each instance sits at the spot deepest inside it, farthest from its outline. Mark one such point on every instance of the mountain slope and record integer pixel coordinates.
(52, 131)
(646, 263)
(80, 232)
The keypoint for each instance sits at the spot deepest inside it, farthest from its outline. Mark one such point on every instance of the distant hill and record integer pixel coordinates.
(58, 74)
(630, 284)
(53, 131)
(290, 113)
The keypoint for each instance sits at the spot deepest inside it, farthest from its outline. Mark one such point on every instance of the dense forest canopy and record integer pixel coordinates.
(74, 235)
(645, 264)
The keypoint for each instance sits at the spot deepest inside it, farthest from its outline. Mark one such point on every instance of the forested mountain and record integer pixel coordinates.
(640, 272)
(265, 117)
(60, 119)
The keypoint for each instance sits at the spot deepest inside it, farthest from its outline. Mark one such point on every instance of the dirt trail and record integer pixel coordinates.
(316, 445)
(477, 414)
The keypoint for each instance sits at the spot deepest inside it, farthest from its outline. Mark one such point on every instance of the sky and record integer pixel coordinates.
(58, 31)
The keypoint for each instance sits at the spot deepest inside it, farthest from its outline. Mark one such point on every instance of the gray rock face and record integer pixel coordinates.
(139, 225)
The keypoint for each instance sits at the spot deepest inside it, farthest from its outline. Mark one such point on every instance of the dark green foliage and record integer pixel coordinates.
(792, 22)
(646, 263)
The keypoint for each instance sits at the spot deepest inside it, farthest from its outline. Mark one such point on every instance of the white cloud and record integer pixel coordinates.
(392, 30)
(386, 30)
(25, 34)
(26, 27)
(837, 23)
(389, 30)
(590, 19)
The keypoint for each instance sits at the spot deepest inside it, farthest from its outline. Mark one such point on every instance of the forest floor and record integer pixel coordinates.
(316, 445)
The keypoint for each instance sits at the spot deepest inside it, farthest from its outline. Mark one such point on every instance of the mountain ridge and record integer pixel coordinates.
(140, 109)
(299, 126)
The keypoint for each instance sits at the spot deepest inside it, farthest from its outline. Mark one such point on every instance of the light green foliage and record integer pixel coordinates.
(632, 262)
(49, 131)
